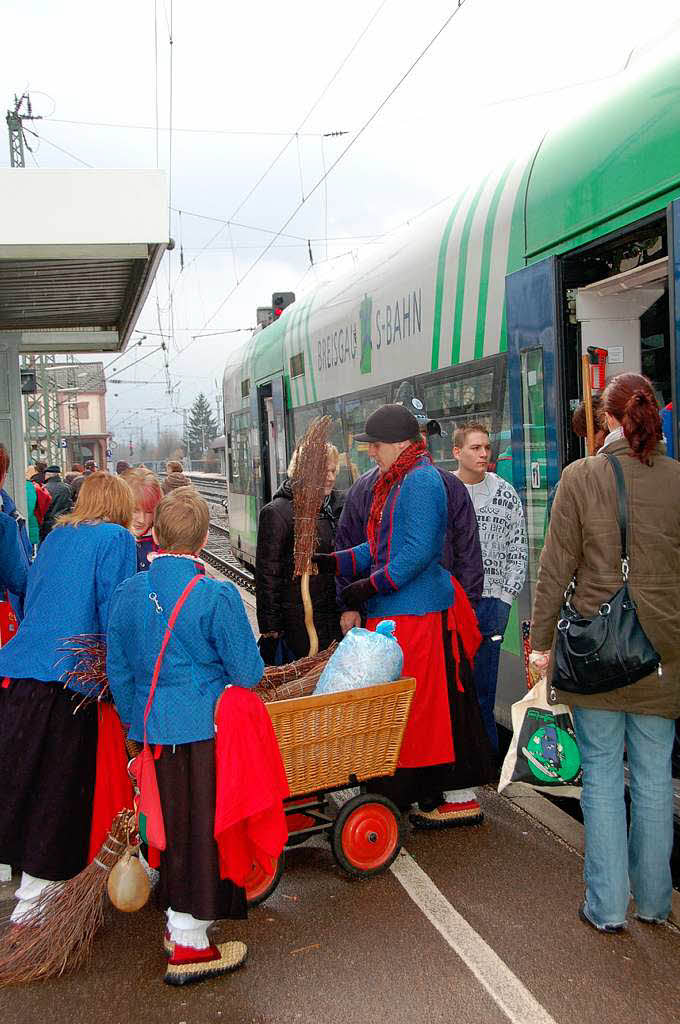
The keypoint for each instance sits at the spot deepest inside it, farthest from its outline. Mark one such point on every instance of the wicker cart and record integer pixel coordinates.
(330, 743)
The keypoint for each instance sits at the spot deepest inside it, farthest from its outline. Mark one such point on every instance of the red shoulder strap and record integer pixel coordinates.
(168, 633)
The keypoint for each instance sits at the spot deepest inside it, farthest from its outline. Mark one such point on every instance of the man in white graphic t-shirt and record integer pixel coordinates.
(503, 538)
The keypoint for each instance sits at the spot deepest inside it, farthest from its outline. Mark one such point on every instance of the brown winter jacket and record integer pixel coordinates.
(584, 538)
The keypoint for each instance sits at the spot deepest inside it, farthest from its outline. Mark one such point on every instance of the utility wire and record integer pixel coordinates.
(284, 148)
(122, 369)
(341, 156)
(55, 146)
(313, 107)
(155, 62)
(193, 131)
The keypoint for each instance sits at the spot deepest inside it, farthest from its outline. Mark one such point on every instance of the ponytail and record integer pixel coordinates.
(630, 399)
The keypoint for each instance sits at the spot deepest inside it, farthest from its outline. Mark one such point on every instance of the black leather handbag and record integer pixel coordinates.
(611, 649)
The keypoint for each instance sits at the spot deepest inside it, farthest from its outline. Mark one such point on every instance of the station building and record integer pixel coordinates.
(79, 250)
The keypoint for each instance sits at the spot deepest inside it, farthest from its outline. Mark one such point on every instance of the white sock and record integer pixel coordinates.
(460, 796)
(186, 930)
(27, 895)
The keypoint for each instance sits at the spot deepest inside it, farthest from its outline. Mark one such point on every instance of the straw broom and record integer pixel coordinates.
(308, 485)
(87, 675)
(296, 679)
(67, 917)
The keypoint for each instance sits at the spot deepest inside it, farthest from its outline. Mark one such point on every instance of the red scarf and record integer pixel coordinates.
(386, 481)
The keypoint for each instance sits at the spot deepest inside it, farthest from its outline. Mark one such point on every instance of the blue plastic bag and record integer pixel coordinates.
(362, 659)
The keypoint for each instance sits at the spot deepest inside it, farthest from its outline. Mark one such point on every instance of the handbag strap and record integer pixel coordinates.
(168, 633)
(621, 511)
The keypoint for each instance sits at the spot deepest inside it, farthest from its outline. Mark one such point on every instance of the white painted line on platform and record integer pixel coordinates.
(504, 987)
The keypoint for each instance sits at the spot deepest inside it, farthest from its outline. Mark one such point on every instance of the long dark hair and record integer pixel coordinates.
(630, 399)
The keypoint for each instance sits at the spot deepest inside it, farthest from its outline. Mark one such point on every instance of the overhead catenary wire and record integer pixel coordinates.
(459, 5)
(61, 149)
(284, 148)
(155, 63)
(254, 132)
(122, 369)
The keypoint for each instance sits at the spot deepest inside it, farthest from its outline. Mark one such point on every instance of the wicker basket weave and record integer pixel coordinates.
(327, 740)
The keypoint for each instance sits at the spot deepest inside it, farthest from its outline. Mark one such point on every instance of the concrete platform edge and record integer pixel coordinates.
(565, 828)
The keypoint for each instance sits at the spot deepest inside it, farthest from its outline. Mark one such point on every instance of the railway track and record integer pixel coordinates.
(219, 556)
(230, 568)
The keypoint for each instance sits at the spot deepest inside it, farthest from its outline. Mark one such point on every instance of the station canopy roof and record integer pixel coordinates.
(79, 250)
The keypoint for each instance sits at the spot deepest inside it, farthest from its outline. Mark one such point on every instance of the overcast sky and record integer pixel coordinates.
(244, 75)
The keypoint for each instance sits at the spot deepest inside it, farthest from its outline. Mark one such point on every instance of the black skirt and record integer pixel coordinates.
(475, 763)
(48, 758)
(190, 880)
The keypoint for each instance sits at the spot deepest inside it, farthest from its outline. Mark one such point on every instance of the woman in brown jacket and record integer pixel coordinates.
(583, 539)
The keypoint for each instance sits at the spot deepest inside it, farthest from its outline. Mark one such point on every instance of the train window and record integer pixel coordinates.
(297, 365)
(457, 400)
(336, 436)
(655, 348)
(303, 417)
(356, 412)
(535, 446)
(501, 441)
(240, 467)
(245, 387)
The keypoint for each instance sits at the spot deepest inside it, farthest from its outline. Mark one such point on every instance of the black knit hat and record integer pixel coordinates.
(390, 423)
(53, 469)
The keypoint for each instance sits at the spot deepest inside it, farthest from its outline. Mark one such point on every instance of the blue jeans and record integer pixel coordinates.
(618, 859)
(492, 618)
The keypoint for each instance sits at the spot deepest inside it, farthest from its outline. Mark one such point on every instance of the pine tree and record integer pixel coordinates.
(201, 428)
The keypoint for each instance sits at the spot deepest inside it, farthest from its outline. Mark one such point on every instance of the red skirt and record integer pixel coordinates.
(428, 739)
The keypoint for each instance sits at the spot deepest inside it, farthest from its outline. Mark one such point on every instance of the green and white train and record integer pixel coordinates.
(482, 311)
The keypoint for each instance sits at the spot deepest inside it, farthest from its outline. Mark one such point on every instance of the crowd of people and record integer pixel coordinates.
(442, 554)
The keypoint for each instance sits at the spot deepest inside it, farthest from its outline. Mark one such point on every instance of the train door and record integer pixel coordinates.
(671, 423)
(271, 440)
(534, 332)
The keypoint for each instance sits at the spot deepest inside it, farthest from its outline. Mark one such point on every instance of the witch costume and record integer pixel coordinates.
(211, 646)
(50, 741)
(444, 746)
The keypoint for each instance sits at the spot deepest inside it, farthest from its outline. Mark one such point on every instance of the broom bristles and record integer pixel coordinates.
(87, 674)
(68, 915)
(308, 485)
(296, 679)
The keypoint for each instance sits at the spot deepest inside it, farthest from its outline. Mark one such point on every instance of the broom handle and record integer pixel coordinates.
(309, 615)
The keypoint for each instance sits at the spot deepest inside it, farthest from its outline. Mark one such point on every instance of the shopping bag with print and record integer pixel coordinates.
(543, 753)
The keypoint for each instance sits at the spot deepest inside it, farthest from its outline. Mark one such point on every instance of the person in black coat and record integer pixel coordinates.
(62, 500)
(280, 613)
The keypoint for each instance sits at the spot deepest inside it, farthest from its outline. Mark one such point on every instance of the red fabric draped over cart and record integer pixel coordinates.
(250, 825)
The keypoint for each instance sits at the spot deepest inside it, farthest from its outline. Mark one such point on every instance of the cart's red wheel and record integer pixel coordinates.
(260, 884)
(367, 835)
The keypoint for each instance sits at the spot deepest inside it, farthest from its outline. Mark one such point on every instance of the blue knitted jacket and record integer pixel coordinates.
(212, 645)
(69, 589)
(406, 572)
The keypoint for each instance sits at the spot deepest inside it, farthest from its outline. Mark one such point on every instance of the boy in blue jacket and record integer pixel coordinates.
(211, 646)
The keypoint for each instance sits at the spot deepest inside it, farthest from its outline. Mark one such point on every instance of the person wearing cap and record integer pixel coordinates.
(406, 530)
(62, 500)
(461, 553)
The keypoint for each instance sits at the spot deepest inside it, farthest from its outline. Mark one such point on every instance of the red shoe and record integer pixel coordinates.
(448, 815)
(188, 965)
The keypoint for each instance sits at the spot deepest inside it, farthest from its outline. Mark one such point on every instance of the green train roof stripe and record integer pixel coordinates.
(444, 277)
(439, 287)
(489, 227)
(462, 271)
